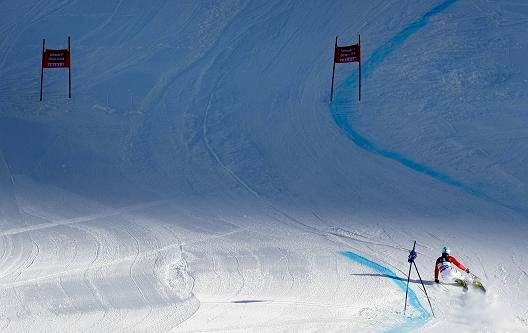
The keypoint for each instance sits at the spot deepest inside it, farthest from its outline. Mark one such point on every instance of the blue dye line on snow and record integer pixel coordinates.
(377, 57)
(385, 50)
(341, 120)
(413, 301)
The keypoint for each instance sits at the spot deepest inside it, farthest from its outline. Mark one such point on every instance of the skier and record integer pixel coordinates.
(444, 265)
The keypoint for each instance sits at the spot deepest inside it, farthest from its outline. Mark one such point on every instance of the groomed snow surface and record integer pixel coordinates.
(200, 179)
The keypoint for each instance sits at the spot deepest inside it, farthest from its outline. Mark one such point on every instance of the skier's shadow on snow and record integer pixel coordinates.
(425, 282)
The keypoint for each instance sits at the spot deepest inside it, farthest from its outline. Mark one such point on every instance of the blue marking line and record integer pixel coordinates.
(386, 49)
(377, 57)
(413, 301)
(340, 116)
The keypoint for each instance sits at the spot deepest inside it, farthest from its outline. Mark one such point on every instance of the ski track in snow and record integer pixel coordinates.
(76, 220)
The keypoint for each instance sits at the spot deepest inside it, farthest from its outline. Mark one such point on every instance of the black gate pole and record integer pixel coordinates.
(42, 68)
(69, 68)
(333, 72)
(408, 279)
(423, 286)
(359, 43)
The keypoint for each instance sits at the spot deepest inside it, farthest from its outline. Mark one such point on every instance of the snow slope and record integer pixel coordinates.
(200, 179)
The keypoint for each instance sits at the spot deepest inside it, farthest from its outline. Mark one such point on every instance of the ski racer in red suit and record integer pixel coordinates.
(444, 266)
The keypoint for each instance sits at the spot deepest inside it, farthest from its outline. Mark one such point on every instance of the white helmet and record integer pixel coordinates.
(446, 250)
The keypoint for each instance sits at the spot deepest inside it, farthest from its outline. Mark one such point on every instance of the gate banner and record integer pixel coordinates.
(351, 53)
(56, 58)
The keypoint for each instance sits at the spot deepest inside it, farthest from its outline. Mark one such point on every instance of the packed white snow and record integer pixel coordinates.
(200, 179)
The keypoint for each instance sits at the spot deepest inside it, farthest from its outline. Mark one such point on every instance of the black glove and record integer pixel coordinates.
(467, 270)
(436, 280)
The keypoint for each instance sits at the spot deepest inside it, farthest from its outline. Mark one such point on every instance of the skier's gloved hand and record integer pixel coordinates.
(437, 281)
(467, 270)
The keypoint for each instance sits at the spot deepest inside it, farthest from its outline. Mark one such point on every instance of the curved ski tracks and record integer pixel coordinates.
(87, 257)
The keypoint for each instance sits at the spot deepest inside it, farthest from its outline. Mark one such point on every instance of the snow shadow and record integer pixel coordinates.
(394, 277)
(248, 301)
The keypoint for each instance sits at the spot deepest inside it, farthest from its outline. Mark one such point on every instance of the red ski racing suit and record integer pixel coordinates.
(443, 263)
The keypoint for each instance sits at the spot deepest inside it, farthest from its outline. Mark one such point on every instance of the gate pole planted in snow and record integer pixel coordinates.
(359, 43)
(333, 72)
(410, 260)
(42, 68)
(69, 69)
(425, 290)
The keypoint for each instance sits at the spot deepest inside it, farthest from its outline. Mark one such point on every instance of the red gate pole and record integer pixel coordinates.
(42, 68)
(333, 73)
(359, 42)
(69, 69)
